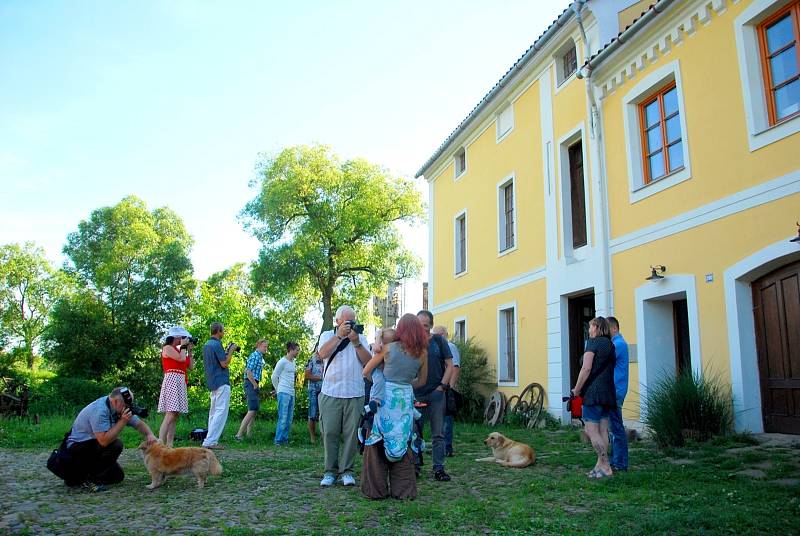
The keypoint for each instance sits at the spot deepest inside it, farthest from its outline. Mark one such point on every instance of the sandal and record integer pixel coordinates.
(599, 475)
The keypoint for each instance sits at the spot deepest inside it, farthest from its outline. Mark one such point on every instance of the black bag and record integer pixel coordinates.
(454, 401)
(61, 463)
(198, 434)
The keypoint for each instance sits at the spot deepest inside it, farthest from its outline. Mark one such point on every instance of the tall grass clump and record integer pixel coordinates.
(688, 406)
(476, 379)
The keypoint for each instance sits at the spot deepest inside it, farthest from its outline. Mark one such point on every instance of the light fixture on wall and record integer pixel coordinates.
(796, 239)
(655, 272)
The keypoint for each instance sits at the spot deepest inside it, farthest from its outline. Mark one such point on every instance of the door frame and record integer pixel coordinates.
(747, 410)
(671, 286)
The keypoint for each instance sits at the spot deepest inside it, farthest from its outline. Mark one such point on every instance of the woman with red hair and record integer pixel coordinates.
(388, 468)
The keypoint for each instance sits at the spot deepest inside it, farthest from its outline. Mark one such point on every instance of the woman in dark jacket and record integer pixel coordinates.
(596, 382)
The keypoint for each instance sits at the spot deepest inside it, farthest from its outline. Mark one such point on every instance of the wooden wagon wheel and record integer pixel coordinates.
(495, 409)
(511, 404)
(530, 403)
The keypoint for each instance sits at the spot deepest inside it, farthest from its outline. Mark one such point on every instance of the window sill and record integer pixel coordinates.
(460, 274)
(564, 83)
(506, 251)
(459, 175)
(776, 132)
(577, 254)
(507, 383)
(661, 184)
(504, 135)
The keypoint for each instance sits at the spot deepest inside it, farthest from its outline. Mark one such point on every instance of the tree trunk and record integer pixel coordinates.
(327, 310)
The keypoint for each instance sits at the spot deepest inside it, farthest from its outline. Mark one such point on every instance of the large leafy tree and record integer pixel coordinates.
(328, 228)
(136, 277)
(228, 297)
(29, 286)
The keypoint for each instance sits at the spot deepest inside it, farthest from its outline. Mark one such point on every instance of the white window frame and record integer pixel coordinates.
(558, 59)
(759, 132)
(459, 215)
(503, 114)
(462, 319)
(501, 343)
(575, 135)
(456, 172)
(633, 137)
(501, 215)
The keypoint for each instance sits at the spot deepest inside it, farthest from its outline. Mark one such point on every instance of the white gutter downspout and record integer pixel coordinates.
(605, 303)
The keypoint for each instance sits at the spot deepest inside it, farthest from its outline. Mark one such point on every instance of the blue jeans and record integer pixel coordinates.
(285, 415)
(448, 433)
(618, 438)
(435, 414)
(313, 404)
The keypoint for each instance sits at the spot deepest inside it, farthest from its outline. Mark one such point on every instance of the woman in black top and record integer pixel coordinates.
(596, 382)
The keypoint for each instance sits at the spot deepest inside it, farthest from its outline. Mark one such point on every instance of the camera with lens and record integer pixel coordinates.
(232, 347)
(358, 328)
(127, 398)
(192, 340)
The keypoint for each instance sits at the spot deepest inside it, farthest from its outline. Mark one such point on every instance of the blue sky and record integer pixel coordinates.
(174, 101)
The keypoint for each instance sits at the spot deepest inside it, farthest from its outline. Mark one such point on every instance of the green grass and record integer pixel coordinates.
(271, 490)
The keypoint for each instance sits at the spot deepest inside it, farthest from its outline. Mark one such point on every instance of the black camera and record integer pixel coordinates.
(358, 328)
(127, 398)
(233, 347)
(192, 340)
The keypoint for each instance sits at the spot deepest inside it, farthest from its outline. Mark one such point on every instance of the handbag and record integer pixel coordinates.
(454, 401)
(61, 463)
(574, 406)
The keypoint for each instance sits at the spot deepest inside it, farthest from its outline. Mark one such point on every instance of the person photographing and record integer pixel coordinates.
(89, 452)
(344, 353)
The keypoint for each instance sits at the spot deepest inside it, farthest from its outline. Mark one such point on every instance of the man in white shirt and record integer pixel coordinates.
(341, 402)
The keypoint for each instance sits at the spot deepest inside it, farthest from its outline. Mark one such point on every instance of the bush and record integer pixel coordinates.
(475, 380)
(64, 395)
(688, 407)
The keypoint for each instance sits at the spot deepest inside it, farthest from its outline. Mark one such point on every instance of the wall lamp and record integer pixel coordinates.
(796, 239)
(655, 273)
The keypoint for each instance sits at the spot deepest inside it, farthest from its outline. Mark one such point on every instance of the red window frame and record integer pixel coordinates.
(662, 122)
(793, 10)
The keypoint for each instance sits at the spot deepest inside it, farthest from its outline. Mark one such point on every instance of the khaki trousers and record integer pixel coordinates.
(339, 418)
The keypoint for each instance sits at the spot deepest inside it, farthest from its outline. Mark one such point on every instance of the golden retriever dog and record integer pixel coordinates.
(507, 452)
(161, 461)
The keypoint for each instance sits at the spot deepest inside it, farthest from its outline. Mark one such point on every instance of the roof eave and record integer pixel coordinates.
(512, 72)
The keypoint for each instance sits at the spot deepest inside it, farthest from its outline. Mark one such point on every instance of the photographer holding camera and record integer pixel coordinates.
(176, 359)
(88, 454)
(218, 381)
(344, 352)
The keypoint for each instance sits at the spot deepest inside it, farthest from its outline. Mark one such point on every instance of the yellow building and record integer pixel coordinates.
(633, 135)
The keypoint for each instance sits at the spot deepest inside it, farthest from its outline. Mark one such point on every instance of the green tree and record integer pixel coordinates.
(228, 297)
(327, 228)
(136, 277)
(29, 287)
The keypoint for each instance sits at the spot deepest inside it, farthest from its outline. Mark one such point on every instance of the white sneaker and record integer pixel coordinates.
(348, 480)
(327, 480)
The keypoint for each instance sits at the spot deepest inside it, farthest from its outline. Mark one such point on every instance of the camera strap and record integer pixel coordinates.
(342, 345)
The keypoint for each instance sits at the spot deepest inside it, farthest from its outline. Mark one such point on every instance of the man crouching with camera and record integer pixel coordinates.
(93, 444)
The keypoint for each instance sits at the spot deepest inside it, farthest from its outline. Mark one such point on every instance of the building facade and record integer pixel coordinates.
(639, 160)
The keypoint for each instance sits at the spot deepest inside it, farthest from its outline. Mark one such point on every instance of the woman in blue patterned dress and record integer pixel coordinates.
(388, 467)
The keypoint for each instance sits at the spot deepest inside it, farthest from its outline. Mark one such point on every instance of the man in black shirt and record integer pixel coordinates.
(440, 370)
